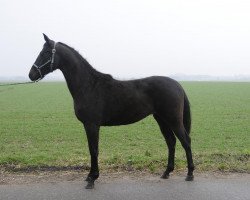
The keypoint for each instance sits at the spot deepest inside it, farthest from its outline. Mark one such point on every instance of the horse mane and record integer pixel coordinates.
(86, 64)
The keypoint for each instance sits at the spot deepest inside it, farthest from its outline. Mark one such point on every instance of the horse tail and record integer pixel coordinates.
(187, 114)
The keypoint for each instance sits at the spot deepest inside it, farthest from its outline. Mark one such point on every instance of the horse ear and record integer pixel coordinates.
(46, 38)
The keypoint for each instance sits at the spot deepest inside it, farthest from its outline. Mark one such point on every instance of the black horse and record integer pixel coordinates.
(100, 100)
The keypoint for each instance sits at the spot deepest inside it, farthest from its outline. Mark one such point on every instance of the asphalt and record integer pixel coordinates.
(131, 189)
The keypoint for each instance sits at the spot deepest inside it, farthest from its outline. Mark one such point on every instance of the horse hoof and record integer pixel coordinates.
(189, 178)
(90, 185)
(165, 176)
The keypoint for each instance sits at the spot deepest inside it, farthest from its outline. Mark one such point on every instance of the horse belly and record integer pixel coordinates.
(128, 115)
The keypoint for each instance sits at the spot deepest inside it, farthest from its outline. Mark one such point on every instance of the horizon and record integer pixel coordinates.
(178, 77)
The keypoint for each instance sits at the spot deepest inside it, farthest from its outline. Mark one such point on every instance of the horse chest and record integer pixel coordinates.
(87, 112)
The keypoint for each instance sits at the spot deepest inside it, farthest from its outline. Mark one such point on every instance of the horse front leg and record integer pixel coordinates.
(92, 131)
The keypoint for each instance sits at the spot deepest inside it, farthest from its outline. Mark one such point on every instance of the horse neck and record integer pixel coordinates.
(77, 72)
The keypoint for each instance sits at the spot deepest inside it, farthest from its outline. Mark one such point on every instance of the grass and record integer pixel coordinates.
(38, 129)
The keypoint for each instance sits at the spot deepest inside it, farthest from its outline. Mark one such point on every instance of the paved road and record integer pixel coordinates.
(129, 189)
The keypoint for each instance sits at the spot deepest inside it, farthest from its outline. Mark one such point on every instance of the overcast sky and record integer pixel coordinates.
(131, 38)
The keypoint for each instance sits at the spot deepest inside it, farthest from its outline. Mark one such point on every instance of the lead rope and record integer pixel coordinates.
(20, 83)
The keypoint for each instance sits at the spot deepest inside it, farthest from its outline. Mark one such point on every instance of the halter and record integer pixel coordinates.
(51, 61)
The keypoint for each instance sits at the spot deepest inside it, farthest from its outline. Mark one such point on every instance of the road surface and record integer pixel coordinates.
(154, 188)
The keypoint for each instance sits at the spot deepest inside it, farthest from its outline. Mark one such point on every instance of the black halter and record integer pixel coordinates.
(51, 61)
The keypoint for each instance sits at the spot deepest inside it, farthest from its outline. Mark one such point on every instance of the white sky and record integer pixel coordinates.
(131, 38)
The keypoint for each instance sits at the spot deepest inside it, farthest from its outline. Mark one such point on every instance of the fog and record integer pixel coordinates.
(131, 38)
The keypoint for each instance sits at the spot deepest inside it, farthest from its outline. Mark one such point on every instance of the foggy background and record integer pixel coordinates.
(193, 39)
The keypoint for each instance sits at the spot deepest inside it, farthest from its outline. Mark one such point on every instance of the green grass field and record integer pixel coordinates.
(38, 128)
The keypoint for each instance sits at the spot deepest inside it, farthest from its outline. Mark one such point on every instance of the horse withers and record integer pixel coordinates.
(101, 100)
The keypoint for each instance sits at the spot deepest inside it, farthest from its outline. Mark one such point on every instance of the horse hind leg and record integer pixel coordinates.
(171, 141)
(185, 140)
